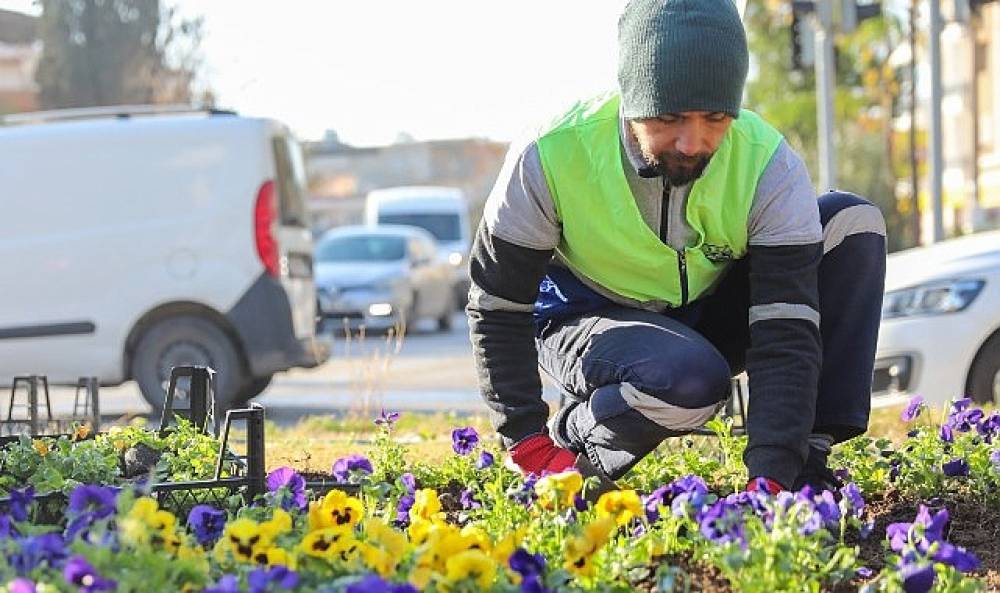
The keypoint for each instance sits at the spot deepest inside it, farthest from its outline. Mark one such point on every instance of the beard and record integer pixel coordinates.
(677, 168)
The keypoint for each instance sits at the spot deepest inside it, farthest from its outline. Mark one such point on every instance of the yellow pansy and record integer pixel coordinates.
(281, 557)
(579, 549)
(420, 577)
(476, 539)
(378, 559)
(41, 447)
(508, 543)
(247, 540)
(420, 530)
(337, 509)
(558, 490)
(623, 505)
(280, 522)
(425, 505)
(379, 534)
(471, 564)
(329, 543)
(146, 523)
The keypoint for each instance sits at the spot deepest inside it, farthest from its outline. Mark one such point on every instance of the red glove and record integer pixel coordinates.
(762, 484)
(537, 454)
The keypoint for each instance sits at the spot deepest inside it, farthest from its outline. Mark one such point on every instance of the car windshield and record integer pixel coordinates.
(361, 248)
(444, 226)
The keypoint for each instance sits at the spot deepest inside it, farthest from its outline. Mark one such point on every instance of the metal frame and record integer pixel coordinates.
(179, 497)
(85, 408)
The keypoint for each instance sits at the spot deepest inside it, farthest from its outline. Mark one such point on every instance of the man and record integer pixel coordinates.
(650, 244)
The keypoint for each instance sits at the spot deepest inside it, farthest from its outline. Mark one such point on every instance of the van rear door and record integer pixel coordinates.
(294, 237)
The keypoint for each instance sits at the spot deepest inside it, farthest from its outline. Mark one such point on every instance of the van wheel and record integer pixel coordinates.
(186, 340)
(984, 376)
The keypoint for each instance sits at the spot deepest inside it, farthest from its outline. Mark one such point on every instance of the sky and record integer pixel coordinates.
(374, 69)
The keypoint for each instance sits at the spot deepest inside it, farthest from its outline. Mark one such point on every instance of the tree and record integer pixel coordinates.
(114, 52)
(865, 103)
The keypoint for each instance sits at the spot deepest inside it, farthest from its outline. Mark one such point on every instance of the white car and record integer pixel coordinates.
(382, 276)
(441, 211)
(142, 238)
(940, 333)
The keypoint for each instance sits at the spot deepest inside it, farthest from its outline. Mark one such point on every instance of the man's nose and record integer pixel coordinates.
(690, 140)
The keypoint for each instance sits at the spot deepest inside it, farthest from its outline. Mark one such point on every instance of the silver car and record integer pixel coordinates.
(381, 276)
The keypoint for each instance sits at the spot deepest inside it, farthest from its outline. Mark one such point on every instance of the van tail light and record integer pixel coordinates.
(265, 212)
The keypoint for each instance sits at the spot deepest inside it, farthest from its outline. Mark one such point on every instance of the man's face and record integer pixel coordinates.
(678, 146)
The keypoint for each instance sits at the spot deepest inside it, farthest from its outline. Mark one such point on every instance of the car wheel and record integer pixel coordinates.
(186, 340)
(444, 322)
(984, 376)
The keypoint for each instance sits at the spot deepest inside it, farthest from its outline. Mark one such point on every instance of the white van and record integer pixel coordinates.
(140, 238)
(442, 211)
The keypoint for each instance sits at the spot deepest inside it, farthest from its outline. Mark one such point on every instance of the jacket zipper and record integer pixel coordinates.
(664, 228)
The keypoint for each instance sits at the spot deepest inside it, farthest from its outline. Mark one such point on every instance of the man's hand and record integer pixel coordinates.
(537, 454)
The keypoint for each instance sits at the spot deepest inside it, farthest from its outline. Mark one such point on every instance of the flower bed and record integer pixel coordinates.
(909, 518)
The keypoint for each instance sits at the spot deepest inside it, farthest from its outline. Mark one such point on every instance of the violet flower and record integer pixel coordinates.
(995, 458)
(468, 500)
(97, 500)
(20, 585)
(79, 572)
(33, 551)
(526, 564)
(403, 509)
(464, 440)
(228, 583)
(852, 501)
(352, 466)
(485, 460)
(946, 434)
(723, 523)
(20, 503)
(294, 485)
(386, 420)
(260, 579)
(912, 409)
(409, 482)
(375, 584)
(207, 522)
(916, 578)
(955, 468)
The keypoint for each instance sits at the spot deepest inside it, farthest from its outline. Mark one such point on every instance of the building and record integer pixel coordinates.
(20, 50)
(970, 108)
(340, 176)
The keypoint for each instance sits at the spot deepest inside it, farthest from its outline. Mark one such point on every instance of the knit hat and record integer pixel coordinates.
(681, 55)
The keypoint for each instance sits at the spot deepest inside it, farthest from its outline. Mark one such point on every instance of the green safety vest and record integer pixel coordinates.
(604, 237)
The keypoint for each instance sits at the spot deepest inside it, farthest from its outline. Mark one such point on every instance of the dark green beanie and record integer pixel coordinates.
(681, 55)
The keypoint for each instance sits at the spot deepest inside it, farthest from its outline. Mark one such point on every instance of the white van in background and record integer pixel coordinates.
(141, 238)
(441, 211)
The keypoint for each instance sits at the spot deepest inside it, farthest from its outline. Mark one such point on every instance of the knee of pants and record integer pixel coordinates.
(689, 382)
(844, 214)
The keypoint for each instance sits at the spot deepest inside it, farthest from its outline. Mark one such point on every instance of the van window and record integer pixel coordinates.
(291, 181)
(444, 226)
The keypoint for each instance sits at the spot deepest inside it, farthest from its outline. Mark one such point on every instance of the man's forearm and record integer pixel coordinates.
(784, 358)
(505, 280)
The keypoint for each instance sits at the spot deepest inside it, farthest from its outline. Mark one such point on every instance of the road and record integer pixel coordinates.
(425, 371)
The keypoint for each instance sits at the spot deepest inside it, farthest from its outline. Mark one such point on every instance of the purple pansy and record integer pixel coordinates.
(229, 583)
(261, 579)
(468, 500)
(852, 502)
(916, 578)
(80, 573)
(409, 482)
(955, 468)
(386, 420)
(294, 484)
(946, 434)
(20, 503)
(485, 460)
(403, 509)
(525, 563)
(995, 458)
(207, 523)
(98, 500)
(912, 409)
(351, 466)
(33, 551)
(723, 523)
(464, 440)
(20, 585)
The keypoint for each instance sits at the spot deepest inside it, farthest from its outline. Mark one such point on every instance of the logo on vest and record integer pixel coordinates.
(718, 253)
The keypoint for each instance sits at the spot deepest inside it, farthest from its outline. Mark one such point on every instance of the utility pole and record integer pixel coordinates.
(826, 80)
(935, 139)
(914, 161)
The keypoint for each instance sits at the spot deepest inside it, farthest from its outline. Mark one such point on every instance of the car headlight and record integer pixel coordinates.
(946, 296)
(455, 258)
